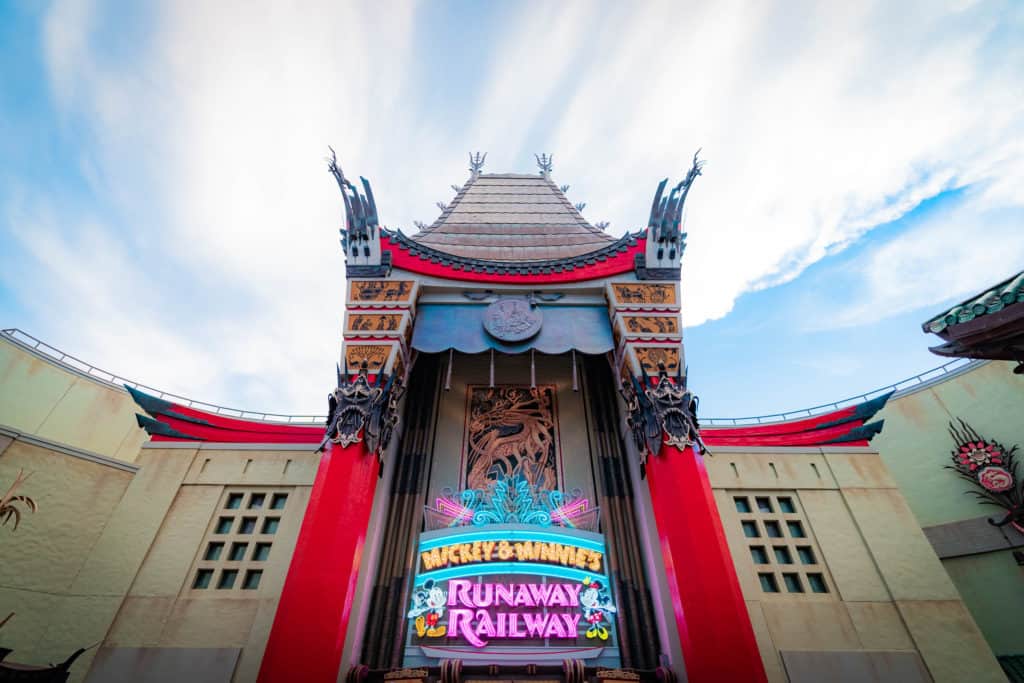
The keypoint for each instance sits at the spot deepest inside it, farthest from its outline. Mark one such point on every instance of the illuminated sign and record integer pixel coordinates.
(511, 583)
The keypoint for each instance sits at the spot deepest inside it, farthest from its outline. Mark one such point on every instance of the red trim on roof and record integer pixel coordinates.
(615, 264)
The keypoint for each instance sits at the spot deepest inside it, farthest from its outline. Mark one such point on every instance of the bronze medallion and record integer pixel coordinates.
(512, 320)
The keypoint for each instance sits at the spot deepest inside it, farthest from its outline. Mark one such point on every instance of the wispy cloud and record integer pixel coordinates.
(213, 265)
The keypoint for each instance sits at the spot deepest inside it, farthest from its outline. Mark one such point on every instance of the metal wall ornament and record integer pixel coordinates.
(9, 502)
(360, 411)
(513, 319)
(992, 468)
(661, 411)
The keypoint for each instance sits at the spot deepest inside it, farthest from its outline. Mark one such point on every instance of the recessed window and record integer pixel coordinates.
(773, 529)
(758, 553)
(203, 578)
(786, 505)
(252, 579)
(261, 552)
(247, 526)
(224, 525)
(238, 552)
(817, 583)
(270, 525)
(764, 504)
(768, 583)
(234, 501)
(257, 500)
(793, 584)
(806, 554)
(742, 504)
(782, 555)
(796, 529)
(227, 579)
(278, 501)
(213, 551)
(750, 529)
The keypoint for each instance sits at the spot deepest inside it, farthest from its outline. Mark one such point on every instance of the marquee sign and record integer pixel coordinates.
(511, 591)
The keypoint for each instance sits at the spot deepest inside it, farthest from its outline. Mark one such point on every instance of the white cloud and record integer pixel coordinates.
(819, 122)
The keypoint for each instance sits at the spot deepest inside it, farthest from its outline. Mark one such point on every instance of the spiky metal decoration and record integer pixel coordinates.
(992, 468)
(602, 225)
(665, 222)
(360, 212)
(563, 188)
(359, 411)
(457, 188)
(442, 206)
(544, 163)
(580, 206)
(661, 411)
(476, 163)
(9, 502)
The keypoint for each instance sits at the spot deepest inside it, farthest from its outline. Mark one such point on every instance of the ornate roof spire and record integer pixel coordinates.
(544, 163)
(476, 164)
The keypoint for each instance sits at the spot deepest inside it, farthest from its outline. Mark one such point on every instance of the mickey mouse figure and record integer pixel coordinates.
(428, 604)
(596, 603)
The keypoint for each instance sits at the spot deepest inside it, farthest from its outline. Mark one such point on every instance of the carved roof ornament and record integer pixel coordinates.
(665, 238)
(476, 163)
(992, 468)
(360, 411)
(360, 238)
(545, 164)
(661, 412)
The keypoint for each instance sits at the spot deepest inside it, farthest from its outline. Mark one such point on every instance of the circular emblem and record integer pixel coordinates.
(512, 320)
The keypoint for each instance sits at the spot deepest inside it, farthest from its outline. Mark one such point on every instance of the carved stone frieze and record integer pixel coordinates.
(647, 293)
(381, 290)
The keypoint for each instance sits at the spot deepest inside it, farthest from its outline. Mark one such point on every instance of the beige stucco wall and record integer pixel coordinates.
(42, 398)
(889, 590)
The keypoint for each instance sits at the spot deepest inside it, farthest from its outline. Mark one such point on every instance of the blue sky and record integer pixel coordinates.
(165, 212)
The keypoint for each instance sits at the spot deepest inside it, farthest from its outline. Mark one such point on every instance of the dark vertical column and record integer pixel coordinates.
(637, 630)
(714, 624)
(385, 630)
(312, 615)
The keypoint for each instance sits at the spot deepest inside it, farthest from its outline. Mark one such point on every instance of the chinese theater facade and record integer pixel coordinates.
(513, 485)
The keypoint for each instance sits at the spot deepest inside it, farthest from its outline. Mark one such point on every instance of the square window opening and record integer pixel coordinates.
(793, 584)
(806, 554)
(768, 583)
(782, 555)
(247, 526)
(278, 501)
(234, 501)
(270, 525)
(257, 500)
(224, 525)
(252, 579)
(764, 504)
(758, 553)
(750, 529)
(796, 529)
(817, 583)
(203, 578)
(786, 505)
(213, 552)
(238, 552)
(742, 504)
(773, 529)
(261, 552)
(227, 579)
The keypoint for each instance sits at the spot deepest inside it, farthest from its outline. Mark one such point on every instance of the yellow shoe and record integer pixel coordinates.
(437, 631)
(421, 626)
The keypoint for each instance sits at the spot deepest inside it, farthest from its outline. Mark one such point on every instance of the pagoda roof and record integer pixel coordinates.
(512, 218)
(992, 300)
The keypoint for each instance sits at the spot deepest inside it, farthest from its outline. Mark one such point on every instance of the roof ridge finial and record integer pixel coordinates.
(476, 163)
(545, 163)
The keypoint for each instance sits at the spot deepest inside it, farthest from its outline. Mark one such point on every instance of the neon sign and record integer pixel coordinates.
(508, 584)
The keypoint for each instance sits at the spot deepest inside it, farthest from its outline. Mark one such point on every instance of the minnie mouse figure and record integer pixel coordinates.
(428, 603)
(596, 604)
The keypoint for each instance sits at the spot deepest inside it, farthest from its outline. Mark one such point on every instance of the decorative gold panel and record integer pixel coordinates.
(381, 290)
(650, 356)
(511, 430)
(646, 293)
(651, 324)
(375, 355)
(370, 322)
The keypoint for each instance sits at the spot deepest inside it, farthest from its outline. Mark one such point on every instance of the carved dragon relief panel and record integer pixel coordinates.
(511, 430)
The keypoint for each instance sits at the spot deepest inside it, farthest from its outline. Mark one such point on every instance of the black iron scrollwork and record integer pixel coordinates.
(359, 411)
(661, 412)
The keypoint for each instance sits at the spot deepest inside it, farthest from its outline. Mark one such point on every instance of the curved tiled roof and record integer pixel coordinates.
(992, 300)
(509, 217)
